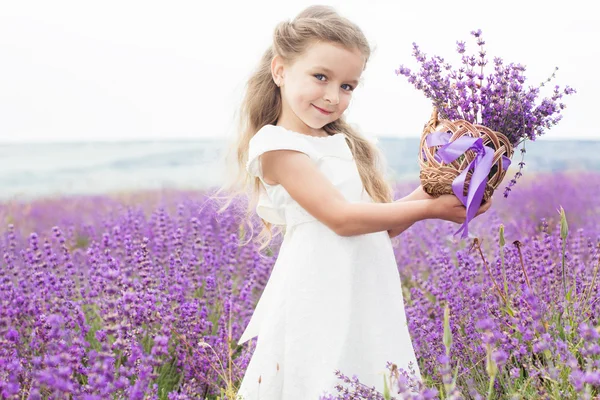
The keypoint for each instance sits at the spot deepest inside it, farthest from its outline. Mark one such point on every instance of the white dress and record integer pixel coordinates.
(331, 302)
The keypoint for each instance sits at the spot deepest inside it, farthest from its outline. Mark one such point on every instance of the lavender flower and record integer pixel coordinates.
(498, 99)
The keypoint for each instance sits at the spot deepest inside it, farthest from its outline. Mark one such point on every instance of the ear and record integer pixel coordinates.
(278, 70)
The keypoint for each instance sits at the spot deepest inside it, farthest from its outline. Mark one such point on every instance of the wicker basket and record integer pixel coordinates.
(437, 176)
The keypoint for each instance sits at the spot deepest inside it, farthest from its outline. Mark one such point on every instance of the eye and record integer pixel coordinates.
(350, 87)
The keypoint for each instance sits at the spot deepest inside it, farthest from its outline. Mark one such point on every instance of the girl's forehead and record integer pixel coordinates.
(333, 57)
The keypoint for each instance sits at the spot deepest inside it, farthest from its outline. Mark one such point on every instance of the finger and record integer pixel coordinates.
(482, 209)
(488, 205)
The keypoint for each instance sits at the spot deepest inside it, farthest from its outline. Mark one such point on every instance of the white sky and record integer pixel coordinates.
(124, 70)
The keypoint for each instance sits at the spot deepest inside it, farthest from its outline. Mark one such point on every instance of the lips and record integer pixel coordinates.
(322, 111)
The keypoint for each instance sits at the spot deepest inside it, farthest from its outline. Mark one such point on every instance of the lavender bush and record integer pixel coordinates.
(498, 100)
(145, 297)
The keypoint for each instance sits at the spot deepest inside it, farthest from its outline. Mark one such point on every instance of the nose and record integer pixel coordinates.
(332, 94)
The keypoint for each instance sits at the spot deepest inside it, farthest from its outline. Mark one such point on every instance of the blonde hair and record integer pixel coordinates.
(262, 105)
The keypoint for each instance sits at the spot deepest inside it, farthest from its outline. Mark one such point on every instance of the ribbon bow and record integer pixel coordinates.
(481, 165)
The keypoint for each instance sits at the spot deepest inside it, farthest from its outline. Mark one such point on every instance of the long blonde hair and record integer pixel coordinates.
(262, 105)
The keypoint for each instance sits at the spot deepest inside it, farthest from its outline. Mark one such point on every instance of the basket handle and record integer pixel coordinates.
(433, 121)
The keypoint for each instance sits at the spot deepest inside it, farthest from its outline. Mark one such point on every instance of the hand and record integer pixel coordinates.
(419, 194)
(484, 206)
(449, 208)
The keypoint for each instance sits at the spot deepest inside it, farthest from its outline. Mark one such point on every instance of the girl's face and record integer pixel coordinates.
(316, 89)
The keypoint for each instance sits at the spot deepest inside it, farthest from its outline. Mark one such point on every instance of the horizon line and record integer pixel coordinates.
(216, 139)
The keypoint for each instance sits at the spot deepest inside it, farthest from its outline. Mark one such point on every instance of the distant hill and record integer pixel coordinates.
(541, 155)
(44, 169)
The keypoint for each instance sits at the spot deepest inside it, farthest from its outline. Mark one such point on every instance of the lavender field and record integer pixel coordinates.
(144, 296)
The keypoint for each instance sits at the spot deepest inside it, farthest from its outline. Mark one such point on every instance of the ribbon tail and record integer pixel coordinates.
(465, 230)
(458, 187)
(477, 186)
(458, 184)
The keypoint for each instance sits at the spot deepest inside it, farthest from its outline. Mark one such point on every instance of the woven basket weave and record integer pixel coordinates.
(437, 176)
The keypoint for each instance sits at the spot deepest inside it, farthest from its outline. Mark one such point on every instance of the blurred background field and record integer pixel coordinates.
(34, 170)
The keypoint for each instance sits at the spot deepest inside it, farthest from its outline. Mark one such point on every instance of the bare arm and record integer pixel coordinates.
(419, 194)
(316, 194)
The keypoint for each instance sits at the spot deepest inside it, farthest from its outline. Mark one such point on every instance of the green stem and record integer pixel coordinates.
(503, 271)
(491, 387)
(588, 293)
(564, 276)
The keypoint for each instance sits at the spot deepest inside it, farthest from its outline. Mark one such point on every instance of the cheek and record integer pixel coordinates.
(311, 87)
(301, 99)
(311, 92)
(304, 92)
(345, 101)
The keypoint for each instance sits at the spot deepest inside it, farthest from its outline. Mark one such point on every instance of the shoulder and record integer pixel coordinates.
(271, 138)
(278, 134)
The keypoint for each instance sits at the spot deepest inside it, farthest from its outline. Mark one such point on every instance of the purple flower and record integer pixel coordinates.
(500, 357)
(485, 324)
(497, 99)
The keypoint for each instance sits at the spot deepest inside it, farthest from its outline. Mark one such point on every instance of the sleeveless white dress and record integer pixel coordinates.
(331, 302)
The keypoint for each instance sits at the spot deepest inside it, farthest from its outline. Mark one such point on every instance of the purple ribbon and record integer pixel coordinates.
(481, 165)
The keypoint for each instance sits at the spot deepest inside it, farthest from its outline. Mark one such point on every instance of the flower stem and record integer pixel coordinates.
(518, 246)
(477, 244)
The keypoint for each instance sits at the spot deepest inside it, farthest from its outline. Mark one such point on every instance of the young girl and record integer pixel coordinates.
(334, 297)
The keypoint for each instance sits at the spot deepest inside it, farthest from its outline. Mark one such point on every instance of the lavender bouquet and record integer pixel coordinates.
(478, 121)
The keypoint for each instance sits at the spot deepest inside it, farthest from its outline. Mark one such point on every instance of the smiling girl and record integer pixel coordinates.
(334, 298)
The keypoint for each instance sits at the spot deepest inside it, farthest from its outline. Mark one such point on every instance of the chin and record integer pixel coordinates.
(314, 125)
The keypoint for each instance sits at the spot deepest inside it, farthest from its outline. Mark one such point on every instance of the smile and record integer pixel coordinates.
(322, 111)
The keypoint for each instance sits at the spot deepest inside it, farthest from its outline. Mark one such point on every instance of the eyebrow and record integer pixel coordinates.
(327, 70)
